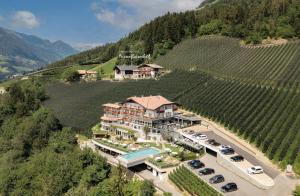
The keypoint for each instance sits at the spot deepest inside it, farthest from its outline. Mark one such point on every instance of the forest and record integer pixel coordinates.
(250, 20)
(38, 156)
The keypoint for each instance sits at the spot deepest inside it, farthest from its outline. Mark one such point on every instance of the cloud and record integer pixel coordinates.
(1, 18)
(25, 19)
(119, 18)
(86, 46)
(129, 14)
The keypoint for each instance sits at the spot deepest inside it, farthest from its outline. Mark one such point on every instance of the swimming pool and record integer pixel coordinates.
(140, 154)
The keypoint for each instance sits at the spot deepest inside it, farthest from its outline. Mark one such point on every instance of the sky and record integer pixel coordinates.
(85, 23)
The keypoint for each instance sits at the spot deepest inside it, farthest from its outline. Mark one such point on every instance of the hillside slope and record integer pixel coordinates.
(267, 117)
(20, 52)
(224, 57)
(250, 20)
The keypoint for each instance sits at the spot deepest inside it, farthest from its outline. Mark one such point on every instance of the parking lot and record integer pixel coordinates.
(245, 188)
(268, 170)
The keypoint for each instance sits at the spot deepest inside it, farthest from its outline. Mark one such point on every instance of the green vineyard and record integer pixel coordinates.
(267, 117)
(80, 105)
(224, 57)
(186, 180)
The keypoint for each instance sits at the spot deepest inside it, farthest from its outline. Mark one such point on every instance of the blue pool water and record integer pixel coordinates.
(141, 153)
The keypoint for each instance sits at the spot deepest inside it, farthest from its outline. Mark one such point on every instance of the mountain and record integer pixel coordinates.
(20, 52)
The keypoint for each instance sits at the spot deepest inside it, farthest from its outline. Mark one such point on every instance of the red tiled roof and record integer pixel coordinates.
(151, 102)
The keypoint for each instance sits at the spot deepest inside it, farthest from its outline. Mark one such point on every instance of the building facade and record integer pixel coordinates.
(137, 114)
(87, 75)
(137, 72)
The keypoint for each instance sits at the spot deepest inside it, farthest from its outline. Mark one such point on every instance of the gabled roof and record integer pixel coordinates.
(151, 102)
(112, 105)
(126, 67)
(152, 65)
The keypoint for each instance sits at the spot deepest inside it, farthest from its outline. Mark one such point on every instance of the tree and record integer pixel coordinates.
(297, 191)
(147, 188)
(116, 184)
(253, 39)
(285, 31)
(214, 27)
(146, 130)
(71, 75)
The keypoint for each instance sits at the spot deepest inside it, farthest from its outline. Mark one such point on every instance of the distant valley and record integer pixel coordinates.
(20, 53)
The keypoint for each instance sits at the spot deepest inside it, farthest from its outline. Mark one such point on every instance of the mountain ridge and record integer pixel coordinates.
(20, 52)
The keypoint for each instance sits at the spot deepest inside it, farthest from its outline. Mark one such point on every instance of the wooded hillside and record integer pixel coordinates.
(251, 20)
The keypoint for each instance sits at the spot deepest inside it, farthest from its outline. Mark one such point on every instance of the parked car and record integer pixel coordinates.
(201, 137)
(206, 171)
(227, 151)
(213, 142)
(237, 158)
(255, 170)
(216, 179)
(229, 187)
(192, 162)
(222, 147)
(197, 165)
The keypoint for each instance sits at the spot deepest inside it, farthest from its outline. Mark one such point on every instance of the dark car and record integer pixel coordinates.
(237, 158)
(229, 187)
(197, 165)
(192, 162)
(227, 151)
(216, 179)
(213, 142)
(206, 171)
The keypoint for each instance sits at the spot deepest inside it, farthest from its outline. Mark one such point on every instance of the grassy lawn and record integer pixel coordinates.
(162, 164)
(173, 148)
(118, 147)
(107, 67)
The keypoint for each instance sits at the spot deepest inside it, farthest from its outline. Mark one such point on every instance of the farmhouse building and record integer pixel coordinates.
(87, 75)
(140, 113)
(137, 72)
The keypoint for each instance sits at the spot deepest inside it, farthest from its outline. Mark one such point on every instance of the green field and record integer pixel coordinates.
(107, 67)
(224, 57)
(3, 69)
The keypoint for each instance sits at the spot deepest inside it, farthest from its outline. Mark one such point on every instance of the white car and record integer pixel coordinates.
(201, 137)
(255, 170)
(223, 147)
